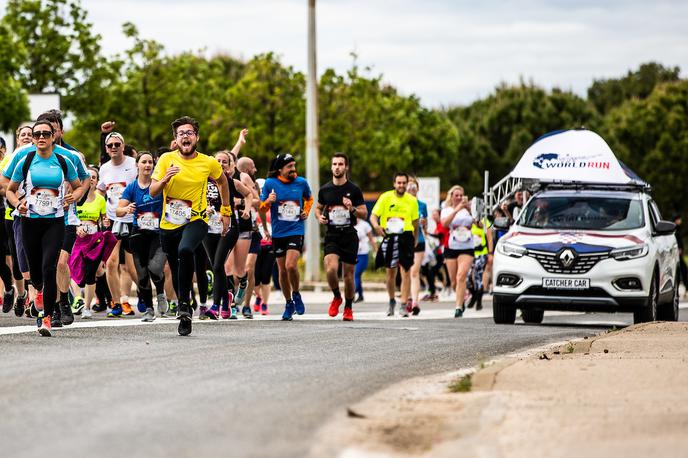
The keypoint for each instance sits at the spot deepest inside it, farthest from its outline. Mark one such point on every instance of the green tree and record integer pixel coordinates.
(650, 135)
(606, 94)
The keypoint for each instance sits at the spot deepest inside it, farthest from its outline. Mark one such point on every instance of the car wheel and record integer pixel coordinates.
(532, 316)
(669, 312)
(648, 313)
(503, 312)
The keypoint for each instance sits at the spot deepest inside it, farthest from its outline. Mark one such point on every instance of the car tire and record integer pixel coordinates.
(649, 312)
(503, 312)
(532, 316)
(669, 311)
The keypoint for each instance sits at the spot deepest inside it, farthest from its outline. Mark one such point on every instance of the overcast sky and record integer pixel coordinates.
(445, 51)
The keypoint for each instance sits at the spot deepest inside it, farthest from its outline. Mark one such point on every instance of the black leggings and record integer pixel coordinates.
(218, 248)
(9, 230)
(149, 261)
(179, 245)
(43, 241)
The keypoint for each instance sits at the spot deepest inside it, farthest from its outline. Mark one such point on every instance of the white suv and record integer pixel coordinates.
(587, 249)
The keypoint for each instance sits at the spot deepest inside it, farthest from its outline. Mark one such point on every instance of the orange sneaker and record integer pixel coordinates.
(38, 302)
(334, 306)
(348, 314)
(45, 327)
(127, 310)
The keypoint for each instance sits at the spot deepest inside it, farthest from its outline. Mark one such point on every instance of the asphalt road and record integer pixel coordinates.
(232, 388)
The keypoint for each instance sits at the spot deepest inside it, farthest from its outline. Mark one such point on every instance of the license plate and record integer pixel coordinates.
(566, 283)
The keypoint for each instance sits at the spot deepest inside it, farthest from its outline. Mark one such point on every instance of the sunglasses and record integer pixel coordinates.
(114, 145)
(42, 133)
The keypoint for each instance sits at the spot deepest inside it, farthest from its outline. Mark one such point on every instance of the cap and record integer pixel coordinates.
(114, 134)
(281, 160)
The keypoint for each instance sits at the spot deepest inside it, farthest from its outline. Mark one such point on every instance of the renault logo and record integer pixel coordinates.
(567, 257)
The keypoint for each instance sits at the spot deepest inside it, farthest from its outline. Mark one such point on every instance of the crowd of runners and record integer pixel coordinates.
(201, 235)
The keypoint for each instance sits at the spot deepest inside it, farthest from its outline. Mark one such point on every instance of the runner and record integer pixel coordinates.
(265, 262)
(115, 176)
(366, 242)
(419, 250)
(182, 176)
(460, 249)
(482, 238)
(144, 240)
(43, 173)
(289, 199)
(395, 217)
(340, 203)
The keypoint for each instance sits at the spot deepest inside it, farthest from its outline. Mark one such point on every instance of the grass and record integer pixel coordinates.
(462, 385)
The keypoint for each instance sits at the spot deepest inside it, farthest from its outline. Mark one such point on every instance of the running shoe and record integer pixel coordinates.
(257, 304)
(45, 327)
(66, 313)
(78, 305)
(184, 328)
(20, 304)
(86, 314)
(56, 320)
(31, 311)
(239, 296)
(149, 315)
(334, 306)
(390, 309)
(8, 300)
(298, 303)
(163, 306)
(359, 299)
(415, 310)
(115, 311)
(458, 313)
(233, 313)
(225, 313)
(127, 310)
(100, 307)
(173, 308)
(212, 313)
(202, 313)
(348, 314)
(264, 308)
(211, 280)
(478, 306)
(246, 312)
(288, 311)
(404, 310)
(426, 297)
(141, 305)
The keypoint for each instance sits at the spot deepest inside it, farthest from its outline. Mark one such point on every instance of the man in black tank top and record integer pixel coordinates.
(340, 203)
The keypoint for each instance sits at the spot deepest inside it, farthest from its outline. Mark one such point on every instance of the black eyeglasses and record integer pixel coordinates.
(42, 133)
(114, 145)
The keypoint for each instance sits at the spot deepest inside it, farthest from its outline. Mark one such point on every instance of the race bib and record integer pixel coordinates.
(462, 234)
(214, 223)
(178, 211)
(148, 221)
(339, 216)
(114, 192)
(289, 210)
(395, 225)
(44, 202)
(89, 227)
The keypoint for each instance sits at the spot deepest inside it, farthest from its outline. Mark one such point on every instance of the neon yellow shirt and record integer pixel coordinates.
(184, 197)
(396, 214)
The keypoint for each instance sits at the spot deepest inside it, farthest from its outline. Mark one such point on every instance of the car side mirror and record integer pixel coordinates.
(665, 228)
(501, 223)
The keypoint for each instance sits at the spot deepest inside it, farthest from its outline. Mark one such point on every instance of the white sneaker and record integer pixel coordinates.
(86, 314)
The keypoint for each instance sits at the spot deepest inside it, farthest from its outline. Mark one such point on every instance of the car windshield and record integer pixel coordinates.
(583, 212)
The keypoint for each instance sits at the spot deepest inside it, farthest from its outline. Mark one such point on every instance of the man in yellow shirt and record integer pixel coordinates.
(182, 177)
(395, 217)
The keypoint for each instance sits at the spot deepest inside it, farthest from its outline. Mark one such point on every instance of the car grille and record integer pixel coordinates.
(582, 264)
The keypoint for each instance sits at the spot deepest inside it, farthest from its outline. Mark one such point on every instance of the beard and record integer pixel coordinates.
(291, 175)
(187, 150)
(339, 175)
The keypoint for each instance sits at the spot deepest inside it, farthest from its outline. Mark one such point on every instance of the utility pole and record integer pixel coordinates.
(312, 150)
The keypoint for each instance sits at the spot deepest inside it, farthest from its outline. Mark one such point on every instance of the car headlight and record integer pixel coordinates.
(510, 249)
(634, 252)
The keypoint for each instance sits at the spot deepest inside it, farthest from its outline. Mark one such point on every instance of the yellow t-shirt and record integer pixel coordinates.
(396, 214)
(184, 197)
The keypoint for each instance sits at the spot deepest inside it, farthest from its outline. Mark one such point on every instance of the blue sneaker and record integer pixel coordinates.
(233, 313)
(298, 303)
(288, 311)
(141, 305)
(115, 311)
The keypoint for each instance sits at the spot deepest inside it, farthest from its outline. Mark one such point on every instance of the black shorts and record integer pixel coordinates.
(264, 264)
(69, 238)
(453, 254)
(280, 245)
(343, 244)
(396, 250)
(255, 243)
(420, 247)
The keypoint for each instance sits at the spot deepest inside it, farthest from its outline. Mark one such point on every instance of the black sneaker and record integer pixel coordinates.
(184, 328)
(99, 307)
(66, 313)
(20, 305)
(56, 319)
(246, 311)
(31, 311)
(8, 300)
